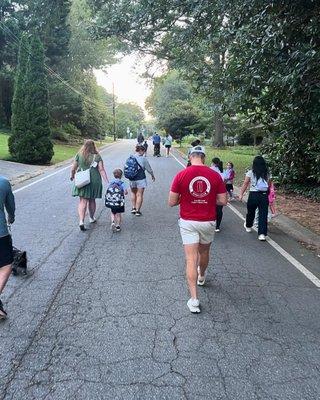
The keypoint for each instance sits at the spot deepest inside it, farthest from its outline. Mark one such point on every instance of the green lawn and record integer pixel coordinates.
(4, 153)
(241, 156)
(61, 151)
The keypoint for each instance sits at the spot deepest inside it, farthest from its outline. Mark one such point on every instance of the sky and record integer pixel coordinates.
(128, 85)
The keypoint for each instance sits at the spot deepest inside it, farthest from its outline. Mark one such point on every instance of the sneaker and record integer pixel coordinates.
(3, 314)
(246, 228)
(194, 306)
(217, 230)
(201, 279)
(82, 227)
(118, 228)
(138, 213)
(92, 220)
(262, 238)
(133, 211)
(113, 227)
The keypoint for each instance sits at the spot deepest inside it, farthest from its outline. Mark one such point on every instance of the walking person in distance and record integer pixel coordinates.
(258, 181)
(7, 204)
(135, 170)
(88, 158)
(156, 140)
(197, 189)
(217, 166)
(167, 143)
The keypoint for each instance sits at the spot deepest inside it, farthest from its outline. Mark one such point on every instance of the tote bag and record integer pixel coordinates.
(82, 178)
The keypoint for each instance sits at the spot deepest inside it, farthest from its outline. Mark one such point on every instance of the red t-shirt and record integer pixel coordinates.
(198, 186)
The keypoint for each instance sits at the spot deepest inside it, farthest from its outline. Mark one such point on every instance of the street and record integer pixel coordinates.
(103, 315)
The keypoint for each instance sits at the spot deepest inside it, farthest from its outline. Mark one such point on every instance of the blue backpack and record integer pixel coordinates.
(131, 168)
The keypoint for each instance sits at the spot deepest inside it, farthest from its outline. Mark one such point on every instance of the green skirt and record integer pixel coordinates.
(93, 190)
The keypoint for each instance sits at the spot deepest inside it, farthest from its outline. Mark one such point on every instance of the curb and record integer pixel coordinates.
(42, 169)
(285, 224)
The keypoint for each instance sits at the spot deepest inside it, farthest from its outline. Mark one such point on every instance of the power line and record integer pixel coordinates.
(54, 74)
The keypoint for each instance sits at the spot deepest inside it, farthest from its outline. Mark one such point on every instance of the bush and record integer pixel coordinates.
(294, 160)
(60, 135)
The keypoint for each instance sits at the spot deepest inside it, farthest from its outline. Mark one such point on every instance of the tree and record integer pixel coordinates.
(35, 146)
(19, 116)
(172, 98)
(185, 33)
(128, 115)
(257, 58)
(182, 119)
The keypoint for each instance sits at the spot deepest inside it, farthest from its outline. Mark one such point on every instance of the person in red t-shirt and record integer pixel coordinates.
(198, 189)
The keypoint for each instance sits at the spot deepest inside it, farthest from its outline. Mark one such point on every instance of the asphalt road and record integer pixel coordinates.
(103, 315)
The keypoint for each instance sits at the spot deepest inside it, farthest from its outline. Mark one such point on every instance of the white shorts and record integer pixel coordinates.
(197, 231)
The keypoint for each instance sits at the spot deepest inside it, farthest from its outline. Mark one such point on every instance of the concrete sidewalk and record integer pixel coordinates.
(282, 222)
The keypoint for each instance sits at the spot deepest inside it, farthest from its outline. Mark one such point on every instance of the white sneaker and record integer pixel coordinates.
(246, 228)
(201, 279)
(262, 238)
(217, 230)
(194, 306)
(92, 220)
(113, 227)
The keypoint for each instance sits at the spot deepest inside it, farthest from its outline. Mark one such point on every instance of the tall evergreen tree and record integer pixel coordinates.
(35, 146)
(19, 117)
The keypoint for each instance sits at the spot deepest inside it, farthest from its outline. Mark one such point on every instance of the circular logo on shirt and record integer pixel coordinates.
(199, 186)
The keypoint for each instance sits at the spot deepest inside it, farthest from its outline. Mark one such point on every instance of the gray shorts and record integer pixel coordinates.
(140, 184)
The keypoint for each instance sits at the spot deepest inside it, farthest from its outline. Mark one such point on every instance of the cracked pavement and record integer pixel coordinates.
(103, 315)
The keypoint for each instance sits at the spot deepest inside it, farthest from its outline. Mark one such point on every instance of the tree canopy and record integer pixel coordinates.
(246, 56)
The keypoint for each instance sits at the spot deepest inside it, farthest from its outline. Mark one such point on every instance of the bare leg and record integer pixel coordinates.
(119, 219)
(113, 217)
(139, 198)
(204, 250)
(134, 197)
(191, 253)
(82, 209)
(4, 276)
(92, 207)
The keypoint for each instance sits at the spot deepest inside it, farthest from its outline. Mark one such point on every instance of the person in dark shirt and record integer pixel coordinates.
(7, 205)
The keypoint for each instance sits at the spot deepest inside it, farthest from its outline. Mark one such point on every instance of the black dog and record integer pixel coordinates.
(19, 261)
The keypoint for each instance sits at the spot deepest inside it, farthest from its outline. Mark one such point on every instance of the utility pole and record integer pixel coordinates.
(114, 113)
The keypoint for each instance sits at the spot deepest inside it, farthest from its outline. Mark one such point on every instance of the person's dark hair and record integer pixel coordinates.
(195, 143)
(260, 168)
(216, 161)
(231, 163)
(140, 147)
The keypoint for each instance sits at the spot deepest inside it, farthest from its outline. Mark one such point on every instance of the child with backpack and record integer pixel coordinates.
(229, 177)
(115, 200)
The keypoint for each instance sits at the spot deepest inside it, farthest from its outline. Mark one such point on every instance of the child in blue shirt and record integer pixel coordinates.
(114, 199)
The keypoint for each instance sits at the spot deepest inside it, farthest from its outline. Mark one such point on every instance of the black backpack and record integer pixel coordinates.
(114, 196)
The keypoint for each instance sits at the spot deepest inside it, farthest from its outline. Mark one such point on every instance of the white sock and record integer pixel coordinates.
(81, 222)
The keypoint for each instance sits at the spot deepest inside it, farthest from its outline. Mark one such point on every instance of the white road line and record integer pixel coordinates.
(50, 175)
(40, 180)
(178, 160)
(309, 275)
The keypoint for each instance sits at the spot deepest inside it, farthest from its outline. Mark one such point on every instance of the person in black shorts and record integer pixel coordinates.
(7, 204)
(115, 200)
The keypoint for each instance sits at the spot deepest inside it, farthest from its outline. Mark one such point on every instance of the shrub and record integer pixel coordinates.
(60, 135)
